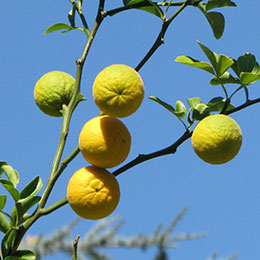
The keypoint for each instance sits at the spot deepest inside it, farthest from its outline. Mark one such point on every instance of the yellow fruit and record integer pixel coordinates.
(104, 141)
(52, 90)
(118, 90)
(93, 193)
(217, 139)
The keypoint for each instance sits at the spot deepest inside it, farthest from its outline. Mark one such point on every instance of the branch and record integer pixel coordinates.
(139, 5)
(145, 157)
(246, 104)
(172, 148)
(160, 38)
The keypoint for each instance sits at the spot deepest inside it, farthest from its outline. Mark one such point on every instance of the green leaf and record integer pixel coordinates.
(22, 255)
(8, 242)
(14, 217)
(23, 207)
(247, 78)
(220, 62)
(8, 185)
(195, 63)
(31, 189)
(223, 63)
(2, 201)
(193, 102)
(61, 26)
(200, 111)
(4, 223)
(27, 200)
(149, 6)
(11, 174)
(57, 27)
(210, 55)
(226, 78)
(217, 104)
(217, 23)
(71, 16)
(180, 109)
(162, 103)
(218, 3)
(246, 63)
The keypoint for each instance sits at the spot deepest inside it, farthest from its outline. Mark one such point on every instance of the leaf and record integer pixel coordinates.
(22, 255)
(218, 3)
(149, 6)
(180, 109)
(71, 16)
(193, 102)
(31, 189)
(226, 78)
(217, 23)
(2, 201)
(220, 62)
(195, 63)
(223, 63)
(162, 103)
(247, 78)
(200, 111)
(24, 206)
(27, 200)
(8, 242)
(11, 174)
(217, 104)
(210, 55)
(4, 223)
(8, 185)
(57, 27)
(61, 26)
(246, 63)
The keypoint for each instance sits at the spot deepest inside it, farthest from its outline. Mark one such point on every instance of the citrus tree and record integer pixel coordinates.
(93, 191)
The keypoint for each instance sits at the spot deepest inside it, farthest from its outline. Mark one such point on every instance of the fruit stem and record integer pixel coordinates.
(145, 157)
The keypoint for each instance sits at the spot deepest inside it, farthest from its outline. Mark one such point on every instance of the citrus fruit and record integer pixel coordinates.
(93, 193)
(52, 90)
(118, 90)
(104, 141)
(217, 139)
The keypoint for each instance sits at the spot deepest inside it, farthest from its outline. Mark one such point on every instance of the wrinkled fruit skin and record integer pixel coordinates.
(53, 90)
(93, 193)
(118, 90)
(104, 141)
(217, 139)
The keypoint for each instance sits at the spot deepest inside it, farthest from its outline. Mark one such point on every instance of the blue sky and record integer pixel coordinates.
(223, 200)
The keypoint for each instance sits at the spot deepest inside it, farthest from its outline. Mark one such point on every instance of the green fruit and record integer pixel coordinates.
(53, 90)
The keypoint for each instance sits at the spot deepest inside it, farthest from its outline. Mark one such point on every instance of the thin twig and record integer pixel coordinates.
(145, 157)
(160, 38)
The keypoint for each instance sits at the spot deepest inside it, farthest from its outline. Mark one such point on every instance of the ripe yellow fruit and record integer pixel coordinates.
(93, 193)
(52, 90)
(217, 139)
(118, 90)
(104, 141)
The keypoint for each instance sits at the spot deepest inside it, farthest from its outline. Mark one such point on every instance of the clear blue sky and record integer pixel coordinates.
(223, 201)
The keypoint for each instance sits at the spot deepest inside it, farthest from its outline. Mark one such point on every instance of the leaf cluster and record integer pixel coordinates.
(245, 71)
(10, 224)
